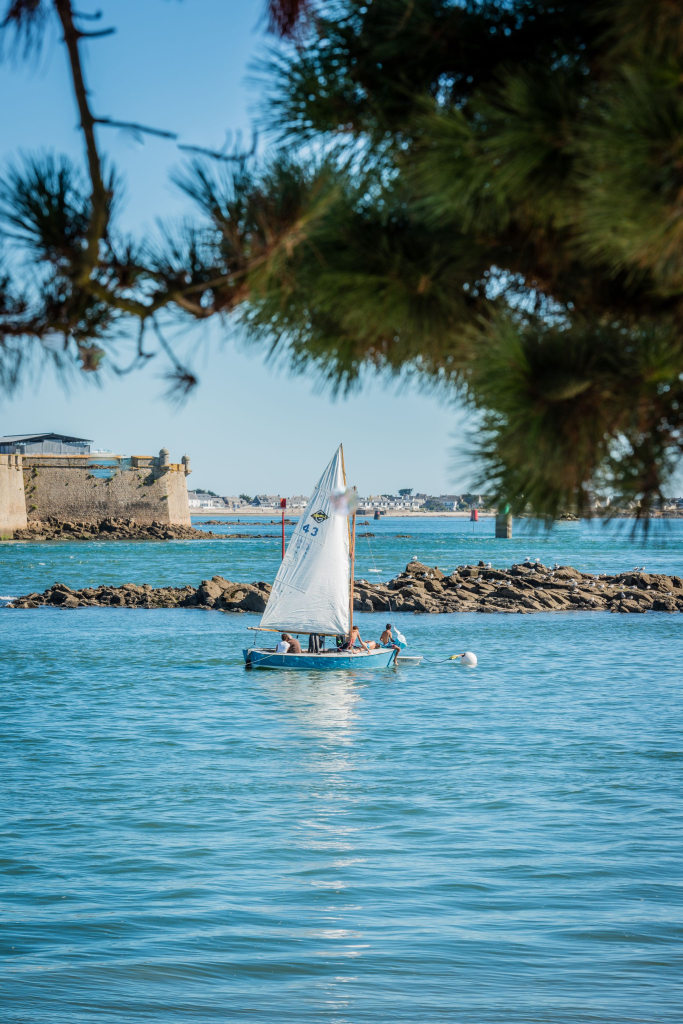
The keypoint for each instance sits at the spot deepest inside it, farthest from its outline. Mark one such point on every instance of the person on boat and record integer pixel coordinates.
(350, 644)
(387, 639)
(372, 645)
(288, 645)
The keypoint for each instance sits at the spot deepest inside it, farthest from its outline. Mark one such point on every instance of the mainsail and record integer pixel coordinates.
(311, 589)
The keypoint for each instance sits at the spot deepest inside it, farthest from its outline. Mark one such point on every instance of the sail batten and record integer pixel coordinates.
(311, 589)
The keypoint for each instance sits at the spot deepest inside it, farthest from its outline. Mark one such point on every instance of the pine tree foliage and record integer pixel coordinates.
(483, 194)
(72, 282)
(545, 140)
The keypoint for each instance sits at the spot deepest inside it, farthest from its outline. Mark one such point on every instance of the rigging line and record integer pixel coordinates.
(442, 661)
(374, 564)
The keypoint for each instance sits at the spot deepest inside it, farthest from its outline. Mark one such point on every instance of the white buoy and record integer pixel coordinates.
(469, 659)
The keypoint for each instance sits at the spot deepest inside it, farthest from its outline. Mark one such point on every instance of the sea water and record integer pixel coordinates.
(382, 549)
(183, 840)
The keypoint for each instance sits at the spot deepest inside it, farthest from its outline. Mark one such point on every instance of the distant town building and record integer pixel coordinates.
(44, 444)
(196, 500)
(233, 503)
(267, 501)
(386, 502)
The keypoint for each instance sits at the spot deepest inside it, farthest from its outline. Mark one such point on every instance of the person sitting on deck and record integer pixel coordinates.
(349, 645)
(387, 639)
(288, 645)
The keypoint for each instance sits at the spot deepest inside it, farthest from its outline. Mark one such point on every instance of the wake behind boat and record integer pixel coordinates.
(312, 594)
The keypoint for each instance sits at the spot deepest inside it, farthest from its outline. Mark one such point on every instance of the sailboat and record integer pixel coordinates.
(313, 590)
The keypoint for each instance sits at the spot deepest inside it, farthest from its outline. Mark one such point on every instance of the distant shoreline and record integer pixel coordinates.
(291, 514)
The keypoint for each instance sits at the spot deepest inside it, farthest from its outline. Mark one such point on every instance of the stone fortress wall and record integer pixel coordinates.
(91, 488)
(12, 498)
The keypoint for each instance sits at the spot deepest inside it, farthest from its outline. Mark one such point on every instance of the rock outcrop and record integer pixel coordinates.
(530, 587)
(121, 529)
(525, 588)
(214, 593)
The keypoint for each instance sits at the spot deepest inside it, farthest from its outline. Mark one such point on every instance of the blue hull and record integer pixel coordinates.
(382, 658)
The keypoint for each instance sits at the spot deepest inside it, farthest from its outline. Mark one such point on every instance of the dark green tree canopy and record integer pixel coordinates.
(483, 195)
(524, 161)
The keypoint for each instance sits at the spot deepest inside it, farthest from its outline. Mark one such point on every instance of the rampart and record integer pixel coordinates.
(90, 488)
(12, 502)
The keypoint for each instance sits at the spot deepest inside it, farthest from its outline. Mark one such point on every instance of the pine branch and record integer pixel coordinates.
(96, 35)
(140, 356)
(287, 18)
(27, 19)
(100, 197)
(134, 127)
(181, 379)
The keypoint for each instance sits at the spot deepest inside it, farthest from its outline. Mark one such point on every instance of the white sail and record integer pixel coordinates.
(311, 589)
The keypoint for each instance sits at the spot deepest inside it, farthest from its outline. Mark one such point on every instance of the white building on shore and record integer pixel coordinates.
(388, 502)
(204, 501)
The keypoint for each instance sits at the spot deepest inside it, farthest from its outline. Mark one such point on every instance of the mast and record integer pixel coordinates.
(283, 506)
(352, 547)
(352, 531)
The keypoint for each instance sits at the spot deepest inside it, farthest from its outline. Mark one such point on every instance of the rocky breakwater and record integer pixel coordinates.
(115, 529)
(215, 593)
(529, 587)
(470, 588)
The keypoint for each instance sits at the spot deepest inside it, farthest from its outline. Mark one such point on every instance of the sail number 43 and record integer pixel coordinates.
(314, 530)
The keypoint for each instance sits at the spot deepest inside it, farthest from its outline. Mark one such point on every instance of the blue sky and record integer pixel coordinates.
(184, 65)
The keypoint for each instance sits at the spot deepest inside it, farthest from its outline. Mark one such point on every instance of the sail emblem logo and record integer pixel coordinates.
(319, 516)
